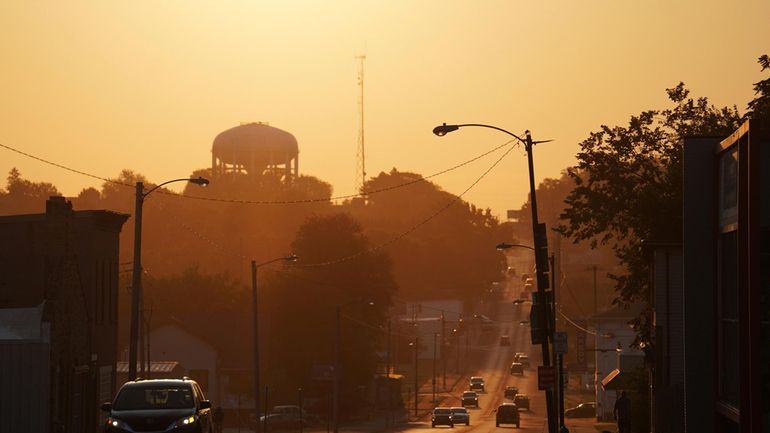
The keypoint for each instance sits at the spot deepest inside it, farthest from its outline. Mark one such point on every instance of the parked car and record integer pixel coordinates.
(583, 410)
(287, 417)
(510, 392)
(521, 400)
(460, 415)
(477, 382)
(159, 405)
(505, 340)
(470, 398)
(517, 368)
(442, 416)
(507, 413)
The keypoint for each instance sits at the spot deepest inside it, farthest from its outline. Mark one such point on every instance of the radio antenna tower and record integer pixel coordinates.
(360, 151)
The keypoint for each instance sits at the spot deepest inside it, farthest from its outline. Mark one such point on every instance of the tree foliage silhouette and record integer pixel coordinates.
(628, 187)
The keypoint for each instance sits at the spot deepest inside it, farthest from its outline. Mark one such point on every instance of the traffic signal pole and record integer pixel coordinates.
(541, 265)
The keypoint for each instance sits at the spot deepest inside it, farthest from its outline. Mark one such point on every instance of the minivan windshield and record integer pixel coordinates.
(154, 397)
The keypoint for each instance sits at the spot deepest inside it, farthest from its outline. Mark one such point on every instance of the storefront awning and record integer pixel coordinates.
(617, 380)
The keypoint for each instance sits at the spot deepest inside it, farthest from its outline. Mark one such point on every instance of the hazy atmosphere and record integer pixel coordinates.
(385, 216)
(146, 86)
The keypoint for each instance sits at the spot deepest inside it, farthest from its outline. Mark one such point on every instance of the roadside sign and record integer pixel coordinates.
(560, 342)
(546, 377)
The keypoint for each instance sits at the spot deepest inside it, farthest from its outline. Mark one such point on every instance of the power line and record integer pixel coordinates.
(414, 227)
(264, 202)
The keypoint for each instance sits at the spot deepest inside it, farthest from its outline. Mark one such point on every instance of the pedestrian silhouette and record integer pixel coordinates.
(622, 413)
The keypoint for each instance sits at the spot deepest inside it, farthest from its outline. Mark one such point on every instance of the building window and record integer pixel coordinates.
(728, 188)
(729, 382)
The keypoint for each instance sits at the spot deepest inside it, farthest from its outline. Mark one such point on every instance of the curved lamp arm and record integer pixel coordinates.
(289, 258)
(504, 246)
(196, 180)
(444, 129)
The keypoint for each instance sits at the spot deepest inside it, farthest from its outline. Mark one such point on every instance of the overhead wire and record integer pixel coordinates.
(264, 202)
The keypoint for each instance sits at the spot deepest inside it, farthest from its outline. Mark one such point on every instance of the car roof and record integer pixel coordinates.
(157, 382)
(508, 404)
(469, 392)
(522, 395)
(477, 377)
(459, 408)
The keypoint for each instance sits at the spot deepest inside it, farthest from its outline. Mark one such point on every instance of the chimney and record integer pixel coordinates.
(58, 206)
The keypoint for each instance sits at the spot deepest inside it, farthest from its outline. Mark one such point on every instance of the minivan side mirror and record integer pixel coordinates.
(205, 404)
(106, 407)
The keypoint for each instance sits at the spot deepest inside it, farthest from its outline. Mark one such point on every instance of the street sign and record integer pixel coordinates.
(560, 342)
(546, 377)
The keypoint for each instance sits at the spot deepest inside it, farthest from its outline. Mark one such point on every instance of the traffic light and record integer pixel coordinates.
(537, 323)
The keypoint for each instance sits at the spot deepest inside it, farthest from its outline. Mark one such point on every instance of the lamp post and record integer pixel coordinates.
(255, 318)
(541, 256)
(136, 284)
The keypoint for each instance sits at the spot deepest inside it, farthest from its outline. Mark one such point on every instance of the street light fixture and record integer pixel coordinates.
(255, 318)
(541, 253)
(136, 284)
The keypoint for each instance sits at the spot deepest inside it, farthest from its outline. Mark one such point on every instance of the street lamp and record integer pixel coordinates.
(136, 284)
(541, 253)
(254, 314)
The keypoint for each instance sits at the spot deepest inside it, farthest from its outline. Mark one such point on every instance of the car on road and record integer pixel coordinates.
(510, 392)
(287, 417)
(159, 405)
(507, 413)
(519, 301)
(485, 321)
(470, 398)
(442, 416)
(521, 400)
(505, 340)
(517, 355)
(524, 360)
(583, 410)
(477, 382)
(460, 415)
(523, 322)
(517, 368)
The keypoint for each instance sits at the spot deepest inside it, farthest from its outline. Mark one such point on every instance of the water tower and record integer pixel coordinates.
(255, 149)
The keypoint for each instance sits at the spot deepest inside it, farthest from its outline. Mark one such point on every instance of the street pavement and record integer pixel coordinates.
(493, 364)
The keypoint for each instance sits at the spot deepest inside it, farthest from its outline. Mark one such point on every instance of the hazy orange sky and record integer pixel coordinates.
(103, 86)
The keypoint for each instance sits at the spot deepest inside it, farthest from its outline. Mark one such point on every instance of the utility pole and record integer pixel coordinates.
(336, 393)
(433, 381)
(136, 283)
(443, 346)
(541, 265)
(255, 325)
(416, 371)
(596, 310)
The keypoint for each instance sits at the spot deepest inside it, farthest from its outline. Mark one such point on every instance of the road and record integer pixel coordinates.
(494, 367)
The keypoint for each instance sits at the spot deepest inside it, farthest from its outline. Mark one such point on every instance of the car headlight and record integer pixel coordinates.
(188, 420)
(114, 422)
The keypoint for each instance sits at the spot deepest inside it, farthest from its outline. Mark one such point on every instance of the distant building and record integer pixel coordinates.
(615, 358)
(58, 318)
(726, 281)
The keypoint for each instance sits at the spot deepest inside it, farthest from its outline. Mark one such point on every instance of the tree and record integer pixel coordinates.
(24, 196)
(628, 187)
(300, 301)
(445, 247)
(759, 107)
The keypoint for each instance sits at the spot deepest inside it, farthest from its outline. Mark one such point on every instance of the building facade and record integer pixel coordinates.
(726, 279)
(63, 264)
